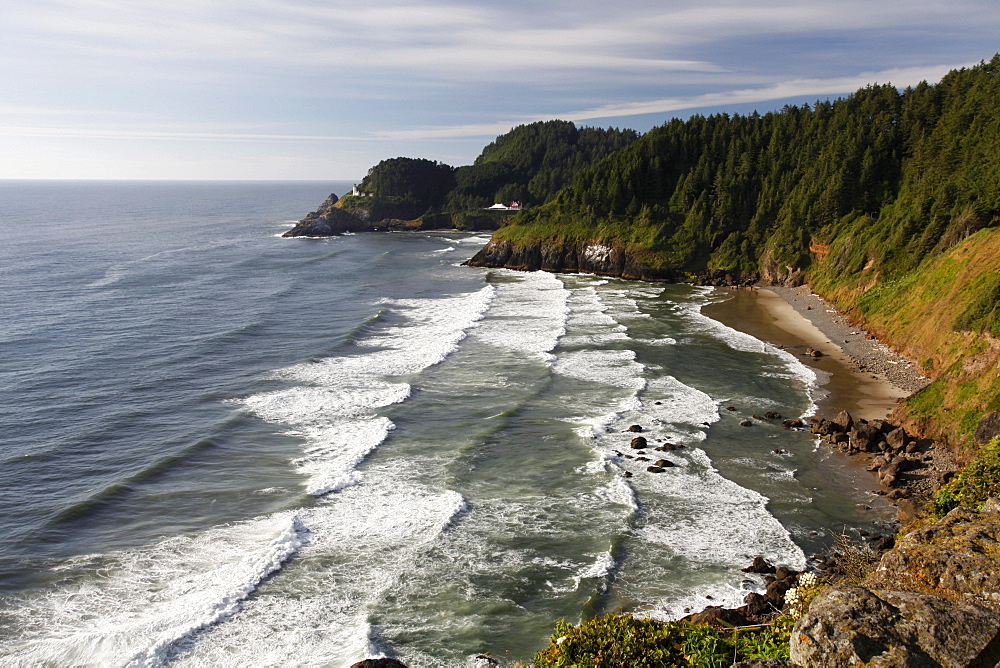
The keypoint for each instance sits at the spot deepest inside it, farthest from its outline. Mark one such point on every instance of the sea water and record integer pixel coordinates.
(222, 447)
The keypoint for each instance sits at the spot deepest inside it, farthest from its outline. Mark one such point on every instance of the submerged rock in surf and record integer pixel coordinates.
(383, 662)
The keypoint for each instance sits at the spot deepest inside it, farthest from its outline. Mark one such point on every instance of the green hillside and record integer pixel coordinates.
(529, 164)
(886, 202)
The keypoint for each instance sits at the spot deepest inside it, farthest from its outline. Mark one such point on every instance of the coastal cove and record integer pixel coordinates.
(261, 450)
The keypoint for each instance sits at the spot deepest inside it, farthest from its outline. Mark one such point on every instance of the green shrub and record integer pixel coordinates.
(623, 640)
(973, 485)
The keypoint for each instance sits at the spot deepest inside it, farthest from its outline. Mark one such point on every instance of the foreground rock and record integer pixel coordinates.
(932, 601)
(855, 625)
(959, 555)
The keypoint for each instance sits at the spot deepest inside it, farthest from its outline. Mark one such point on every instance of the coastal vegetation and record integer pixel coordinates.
(973, 486)
(529, 165)
(624, 640)
(886, 202)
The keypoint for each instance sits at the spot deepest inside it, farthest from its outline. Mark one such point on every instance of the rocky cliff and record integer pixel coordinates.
(610, 258)
(380, 214)
(328, 220)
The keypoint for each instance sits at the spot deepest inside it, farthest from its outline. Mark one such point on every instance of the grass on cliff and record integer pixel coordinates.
(973, 485)
(624, 640)
(943, 314)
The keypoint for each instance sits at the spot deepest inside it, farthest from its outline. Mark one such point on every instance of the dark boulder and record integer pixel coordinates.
(865, 438)
(379, 663)
(820, 425)
(884, 426)
(775, 593)
(664, 463)
(772, 415)
(746, 423)
(635, 428)
(793, 424)
(655, 469)
(897, 439)
(988, 428)
(638, 443)
(888, 473)
(756, 605)
(759, 565)
(718, 616)
(843, 422)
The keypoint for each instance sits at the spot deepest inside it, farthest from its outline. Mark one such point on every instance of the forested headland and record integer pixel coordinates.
(528, 165)
(886, 202)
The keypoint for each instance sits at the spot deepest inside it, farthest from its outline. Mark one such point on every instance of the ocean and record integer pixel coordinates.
(225, 448)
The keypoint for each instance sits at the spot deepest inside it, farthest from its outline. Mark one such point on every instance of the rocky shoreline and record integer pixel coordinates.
(868, 353)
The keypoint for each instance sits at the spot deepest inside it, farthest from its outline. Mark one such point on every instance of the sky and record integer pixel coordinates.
(324, 89)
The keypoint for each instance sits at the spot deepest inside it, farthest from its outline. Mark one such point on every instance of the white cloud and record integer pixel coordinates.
(192, 72)
(795, 88)
(782, 90)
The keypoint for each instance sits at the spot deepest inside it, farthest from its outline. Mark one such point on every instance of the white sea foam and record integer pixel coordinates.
(363, 545)
(336, 449)
(663, 341)
(602, 566)
(607, 367)
(680, 403)
(589, 320)
(691, 510)
(473, 240)
(528, 314)
(332, 403)
(721, 521)
(111, 276)
(149, 600)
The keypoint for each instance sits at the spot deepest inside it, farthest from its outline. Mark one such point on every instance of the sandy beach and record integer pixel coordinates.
(856, 373)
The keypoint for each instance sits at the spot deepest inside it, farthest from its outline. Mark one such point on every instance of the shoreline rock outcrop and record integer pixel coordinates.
(593, 257)
(910, 469)
(327, 221)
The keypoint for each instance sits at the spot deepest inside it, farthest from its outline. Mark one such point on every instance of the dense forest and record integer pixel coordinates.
(532, 163)
(886, 201)
(529, 164)
(914, 169)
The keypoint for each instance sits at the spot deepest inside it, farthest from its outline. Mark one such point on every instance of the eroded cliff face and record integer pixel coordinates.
(593, 257)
